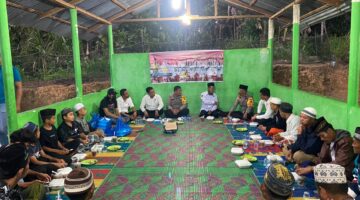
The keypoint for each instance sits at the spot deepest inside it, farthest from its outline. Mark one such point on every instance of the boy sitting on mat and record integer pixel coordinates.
(276, 124)
(84, 126)
(49, 139)
(246, 105)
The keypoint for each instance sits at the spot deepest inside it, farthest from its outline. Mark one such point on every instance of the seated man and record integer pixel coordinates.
(49, 139)
(151, 104)
(69, 132)
(210, 103)
(126, 106)
(292, 125)
(276, 123)
(108, 106)
(354, 188)
(278, 183)
(79, 184)
(336, 149)
(331, 183)
(14, 166)
(39, 160)
(177, 105)
(83, 125)
(246, 105)
(308, 144)
(264, 101)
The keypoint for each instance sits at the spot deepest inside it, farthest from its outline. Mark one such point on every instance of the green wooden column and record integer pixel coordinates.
(353, 81)
(295, 48)
(111, 53)
(7, 69)
(271, 48)
(76, 52)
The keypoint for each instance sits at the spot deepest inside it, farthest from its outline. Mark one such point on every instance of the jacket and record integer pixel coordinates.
(308, 141)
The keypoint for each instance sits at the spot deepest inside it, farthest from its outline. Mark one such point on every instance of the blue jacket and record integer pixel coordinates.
(308, 142)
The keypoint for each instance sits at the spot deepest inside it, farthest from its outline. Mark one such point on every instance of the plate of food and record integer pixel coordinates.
(255, 137)
(235, 120)
(267, 142)
(249, 158)
(122, 139)
(88, 162)
(217, 122)
(114, 148)
(253, 124)
(243, 163)
(180, 122)
(242, 129)
(238, 142)
(57, 184)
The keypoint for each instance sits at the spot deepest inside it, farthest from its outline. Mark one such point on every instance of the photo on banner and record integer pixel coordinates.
(187, 66)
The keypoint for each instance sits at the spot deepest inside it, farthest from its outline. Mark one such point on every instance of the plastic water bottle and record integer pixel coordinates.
(256, 145)
(246, 144)
(306, 195)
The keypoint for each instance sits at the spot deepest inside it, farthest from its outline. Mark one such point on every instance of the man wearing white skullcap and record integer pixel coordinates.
(276, 124)
(308, 144)
(331, 182)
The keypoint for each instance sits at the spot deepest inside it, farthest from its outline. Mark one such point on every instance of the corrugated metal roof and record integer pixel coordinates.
(107, 9)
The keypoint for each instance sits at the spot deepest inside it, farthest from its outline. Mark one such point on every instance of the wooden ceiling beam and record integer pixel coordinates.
(82, 11)
(190, 17)
(58, 9)
(122, 6)
(255, 9)
(332, 2)
(38, 12)
(124, 13)
(253, 2)
(313, 12)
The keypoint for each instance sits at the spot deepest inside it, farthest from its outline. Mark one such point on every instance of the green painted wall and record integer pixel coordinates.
(247, 66)
(91, 102)
(334, 111)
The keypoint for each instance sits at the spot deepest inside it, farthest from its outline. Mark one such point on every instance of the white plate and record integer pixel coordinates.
(150, 119)
(97, 148)
(237, 151)
(255, 137)
(210, 117)
(235, 120)
(57, 184)
(64, 171)
(79, 156)
(243, 163)
(274, 158)
(253, 124)
(109, 139)
(267, 142)
(180, 119)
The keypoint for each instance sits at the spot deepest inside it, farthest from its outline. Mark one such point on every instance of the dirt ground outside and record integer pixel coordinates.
(42, 93)
(317, 78)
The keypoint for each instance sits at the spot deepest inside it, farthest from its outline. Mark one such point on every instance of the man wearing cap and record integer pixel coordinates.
(278, 183)
(210, 103)
(69, 132)
(354, 188)
(331, 183)
(246, 105)
(79, 184)
(276, 123)
(177, 105)
(108, 105)
(14, 165)
(151, 104)
(336, 149)
(83, 125)
(308, 144)
(292, 125)
(264, 101)
(49, 139)
(126, 106)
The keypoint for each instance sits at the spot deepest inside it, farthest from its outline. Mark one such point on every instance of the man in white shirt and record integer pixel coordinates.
(126, 106)
(210, 103)
(265, 101)
(151, 105)
(292, 125)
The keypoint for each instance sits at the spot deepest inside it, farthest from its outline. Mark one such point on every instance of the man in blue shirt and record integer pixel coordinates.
(3, 115)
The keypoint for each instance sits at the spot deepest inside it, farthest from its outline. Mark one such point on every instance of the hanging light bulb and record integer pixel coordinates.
(176, 4)
(186, 20)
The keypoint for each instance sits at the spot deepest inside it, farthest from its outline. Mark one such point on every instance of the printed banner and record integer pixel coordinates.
(187, 66)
